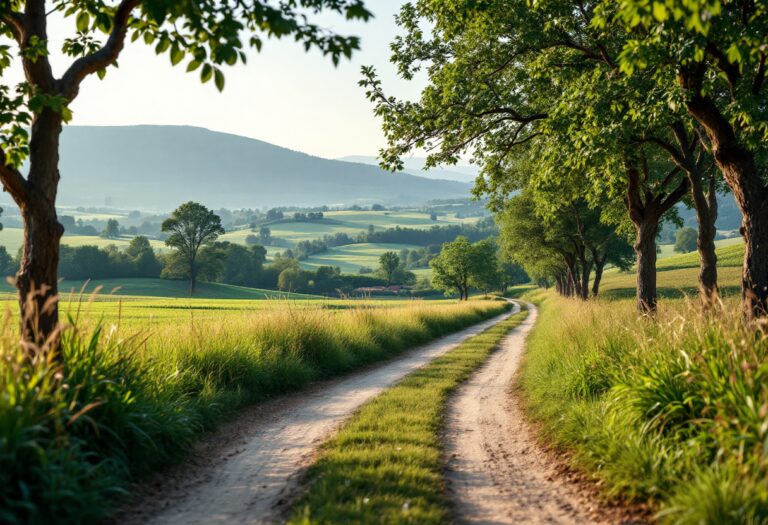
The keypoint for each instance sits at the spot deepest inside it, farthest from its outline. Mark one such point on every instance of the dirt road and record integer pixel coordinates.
(246, 479)
(497, 474)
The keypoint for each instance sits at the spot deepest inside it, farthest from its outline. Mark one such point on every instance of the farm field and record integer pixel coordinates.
(12, 239)
(677, 274)
(351, 223)
(668, 250)
(350, 258)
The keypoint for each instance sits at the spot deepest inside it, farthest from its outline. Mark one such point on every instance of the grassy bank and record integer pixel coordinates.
(129, 402)
(672, 412)
(384, 465)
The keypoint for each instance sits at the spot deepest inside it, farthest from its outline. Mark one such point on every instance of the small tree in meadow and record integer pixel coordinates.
(191, 226)
(389, 262)
(112, 230)
(685, 240)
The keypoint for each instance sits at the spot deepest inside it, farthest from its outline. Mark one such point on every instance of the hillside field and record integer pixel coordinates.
(677, 274)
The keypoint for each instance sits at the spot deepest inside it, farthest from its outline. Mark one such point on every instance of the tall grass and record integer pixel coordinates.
(127, 403)
(672, 412)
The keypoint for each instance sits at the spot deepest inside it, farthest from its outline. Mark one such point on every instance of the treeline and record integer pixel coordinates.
(434, 235)
(219, 262)
(431, 239)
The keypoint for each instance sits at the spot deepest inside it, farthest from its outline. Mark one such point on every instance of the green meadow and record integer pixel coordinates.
(351, 257)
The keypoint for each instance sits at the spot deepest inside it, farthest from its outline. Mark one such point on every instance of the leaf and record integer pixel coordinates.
(206, 73)
(177, 55)
(218, 79)
(83, 21)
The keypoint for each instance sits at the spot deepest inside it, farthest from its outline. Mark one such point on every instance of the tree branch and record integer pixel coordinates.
(37, 69)
(13, 181)
(15, 23)
(84, 66)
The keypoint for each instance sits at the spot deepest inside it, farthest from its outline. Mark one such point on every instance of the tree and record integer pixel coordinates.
(292, 280)
(251, 240)
(265, 235)
(8, 266)
(207, 34)
(485, 272)
(461, 264)
(112, 230)
(510, 274)
(685, 240)
(710, 58)
(389, 262)
(191, 226)
(143, 256)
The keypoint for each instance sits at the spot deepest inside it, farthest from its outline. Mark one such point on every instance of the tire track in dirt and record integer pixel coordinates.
(497, 473)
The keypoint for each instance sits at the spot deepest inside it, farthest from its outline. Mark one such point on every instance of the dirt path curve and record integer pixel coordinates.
(258, 469)
(497, 474)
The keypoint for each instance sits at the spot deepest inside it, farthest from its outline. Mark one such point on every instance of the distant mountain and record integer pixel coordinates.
(415, 166)
(159, 167)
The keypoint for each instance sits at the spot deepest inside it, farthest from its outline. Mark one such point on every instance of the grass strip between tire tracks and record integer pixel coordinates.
(384, 465)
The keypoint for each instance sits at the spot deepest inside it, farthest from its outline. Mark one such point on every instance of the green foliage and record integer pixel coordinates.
(685, 240)
(191, 226)
(384, 465)
(389, 262)
(461, 265)
(112, 230)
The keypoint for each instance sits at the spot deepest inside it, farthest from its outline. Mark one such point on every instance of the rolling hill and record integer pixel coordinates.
(415, 166)
(158, 167)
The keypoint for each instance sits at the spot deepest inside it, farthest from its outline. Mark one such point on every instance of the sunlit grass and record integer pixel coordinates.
(673, 412)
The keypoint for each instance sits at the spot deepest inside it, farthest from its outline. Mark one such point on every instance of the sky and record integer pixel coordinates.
(283, 95)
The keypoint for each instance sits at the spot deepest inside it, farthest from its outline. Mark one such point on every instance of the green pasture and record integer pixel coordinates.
(678, 274)
(12, 239)
(351, 223)
(351, 257)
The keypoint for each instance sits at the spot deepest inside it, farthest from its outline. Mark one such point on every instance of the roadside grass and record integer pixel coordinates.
(384, 465)
(673, 413)
(129, 402)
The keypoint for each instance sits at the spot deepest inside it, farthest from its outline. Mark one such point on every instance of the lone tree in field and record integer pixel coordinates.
(461, 264)
(206, 34)
(112, 230)
(192, 226)
(685, 240)
(389, 262)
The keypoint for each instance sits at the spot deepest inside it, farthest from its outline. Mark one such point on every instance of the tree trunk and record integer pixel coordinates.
(192, 275)
(740, 171)
(37, 279)
(586, 270)
(706, 215)
(645, 248)
(599, 266)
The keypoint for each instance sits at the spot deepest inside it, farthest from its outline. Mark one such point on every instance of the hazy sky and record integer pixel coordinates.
(283, 95)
